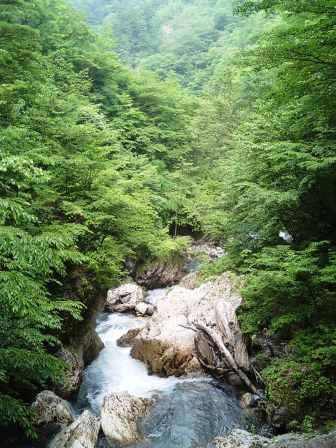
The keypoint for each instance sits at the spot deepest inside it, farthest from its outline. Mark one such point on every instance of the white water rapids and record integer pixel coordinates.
(187, 413)
(115, 370)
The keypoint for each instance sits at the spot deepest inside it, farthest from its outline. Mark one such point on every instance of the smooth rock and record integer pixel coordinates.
(83, 433)
(124, 298)
(278, 417)
(120, 414)
(166, 344)
(144, 309)
(150, 310)
(91, 346)
(243, 439)
(205, 249)
(249, 400)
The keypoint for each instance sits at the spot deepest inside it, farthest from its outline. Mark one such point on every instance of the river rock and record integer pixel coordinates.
(124, 298)
(126, 340)
(81, 350)
(51, 414)
(74, 372)
(243, 439)
(83, 433)
(205, 249)
(240, 439)
(144, 309)
(48, 408)
(248, 400)
(167, 343)
(120, 414)
(160, 274)
(278, 416)
(302, 441)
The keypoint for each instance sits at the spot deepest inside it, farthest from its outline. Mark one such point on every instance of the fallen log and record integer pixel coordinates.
(227, 355)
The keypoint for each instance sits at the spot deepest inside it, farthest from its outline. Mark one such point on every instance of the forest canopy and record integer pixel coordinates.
(123, 119)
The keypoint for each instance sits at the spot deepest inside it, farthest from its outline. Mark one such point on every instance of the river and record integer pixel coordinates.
(187, 412)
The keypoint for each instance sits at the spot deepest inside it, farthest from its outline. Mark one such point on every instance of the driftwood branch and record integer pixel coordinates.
(227, 355)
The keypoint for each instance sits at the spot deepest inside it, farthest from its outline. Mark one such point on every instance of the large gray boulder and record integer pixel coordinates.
(83, 433)
(161, 273)
(144, 309)
(51, 415)
(120, 414)
(48, 408)
(167, 343)
(74, 372)
(125, 298)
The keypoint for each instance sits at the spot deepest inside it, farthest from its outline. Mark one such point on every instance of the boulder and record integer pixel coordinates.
(240, 439)
(83, 433)
(49, 408)
(144, 309)
(127, 339)
(278, 417)
(90, 347)
(81, 349)
(302, 441)
(74, 372)
(248, 400)
(243, 439)
(124, 298)
(51, 414)
(120, 414)
(160, 274)
(205, 250)
(167, 343)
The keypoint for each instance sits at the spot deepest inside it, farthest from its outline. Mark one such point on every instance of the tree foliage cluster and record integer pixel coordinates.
(97, 163)
(170, 38)
(271, 190)
(88, 156)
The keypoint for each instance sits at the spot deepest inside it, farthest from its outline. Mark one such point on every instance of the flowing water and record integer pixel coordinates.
(187, 413)
(115, 370)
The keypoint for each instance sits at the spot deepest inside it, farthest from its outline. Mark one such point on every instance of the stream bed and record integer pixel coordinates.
(187, 412)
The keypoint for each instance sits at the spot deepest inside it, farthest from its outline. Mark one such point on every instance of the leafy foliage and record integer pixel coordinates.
(98, 165)
(277, 162)
(86, 149)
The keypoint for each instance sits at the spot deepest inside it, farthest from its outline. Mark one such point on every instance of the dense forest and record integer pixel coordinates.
(126, 123)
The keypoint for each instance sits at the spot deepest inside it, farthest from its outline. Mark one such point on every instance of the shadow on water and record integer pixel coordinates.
(190, 416)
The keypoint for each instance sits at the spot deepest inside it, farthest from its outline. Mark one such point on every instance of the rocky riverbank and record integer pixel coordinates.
(180, 334)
